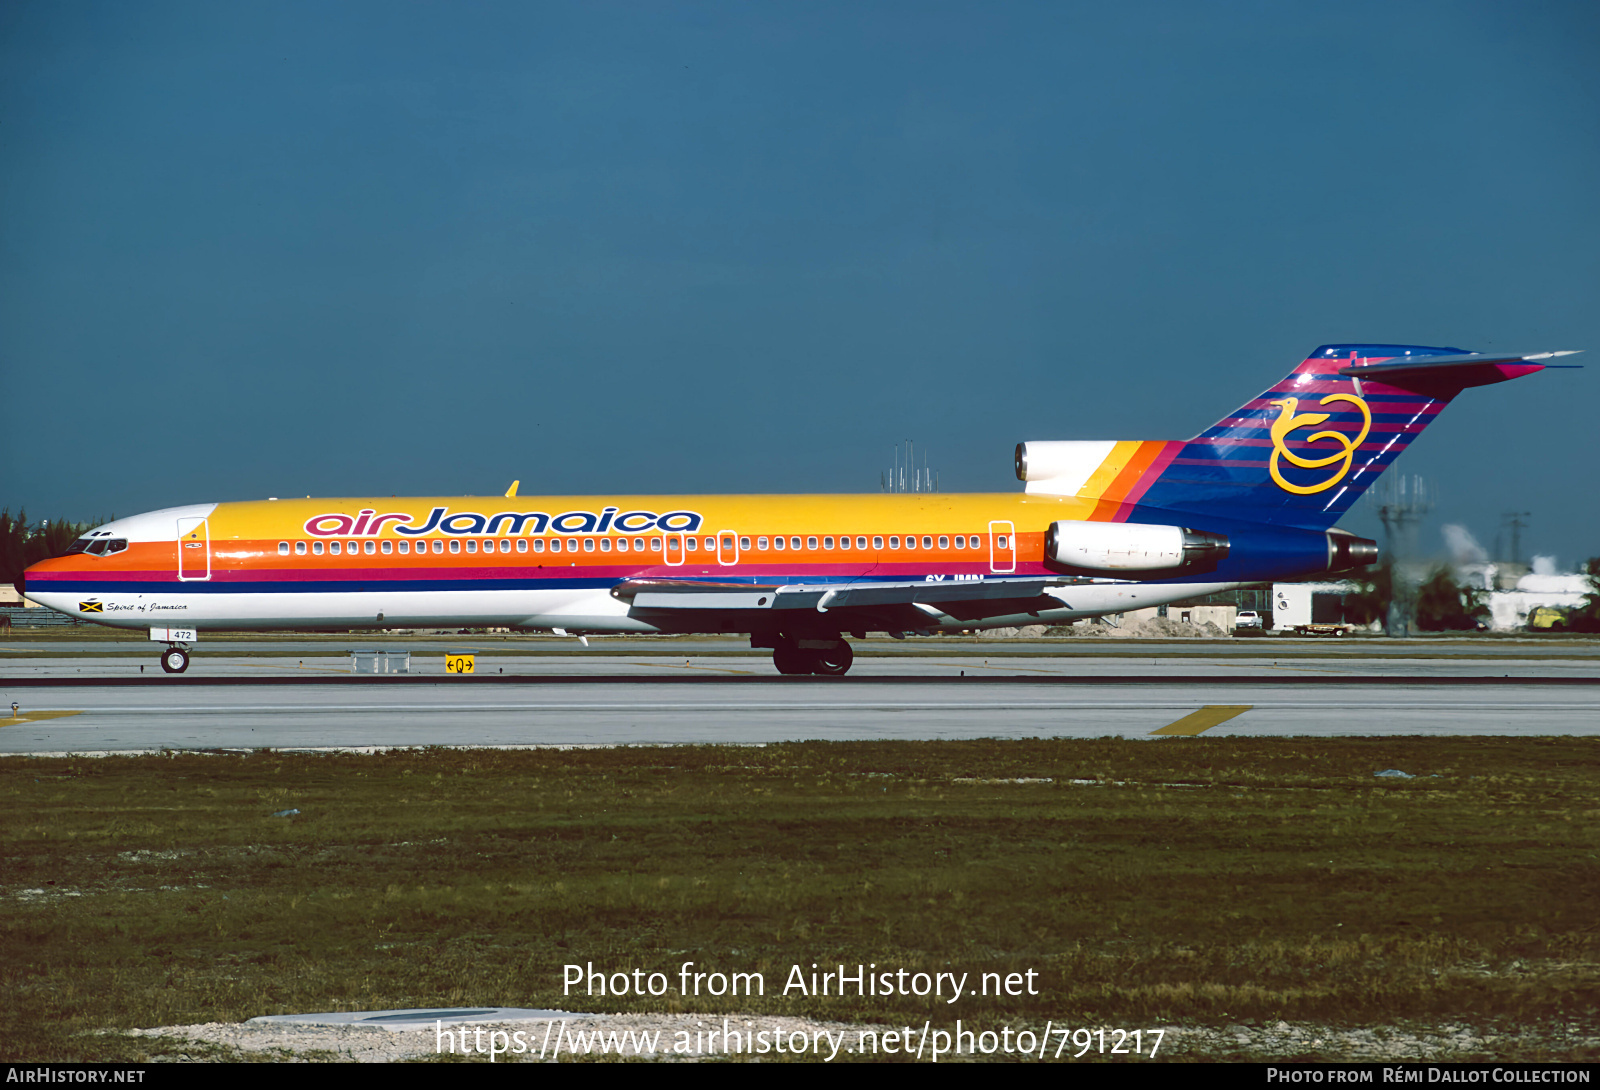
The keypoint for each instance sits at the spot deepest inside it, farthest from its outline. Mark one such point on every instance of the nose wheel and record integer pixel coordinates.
(175, 660)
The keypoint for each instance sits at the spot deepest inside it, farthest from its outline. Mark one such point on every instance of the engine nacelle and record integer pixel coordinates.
(1060, 467)
(1346, 551)
(1117, 547)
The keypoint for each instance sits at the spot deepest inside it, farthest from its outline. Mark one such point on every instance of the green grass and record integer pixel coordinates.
(1201, 880)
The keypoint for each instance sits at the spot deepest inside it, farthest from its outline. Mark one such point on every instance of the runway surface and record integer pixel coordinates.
(302, 694)
(518, 656)
(582, 712)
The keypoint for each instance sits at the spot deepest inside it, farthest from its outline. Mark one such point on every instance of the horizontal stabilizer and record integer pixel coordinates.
(1457, 370)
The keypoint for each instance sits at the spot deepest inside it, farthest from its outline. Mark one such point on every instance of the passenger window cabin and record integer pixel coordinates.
(657, 544)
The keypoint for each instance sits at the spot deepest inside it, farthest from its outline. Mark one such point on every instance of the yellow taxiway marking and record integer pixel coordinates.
(29, 717)
(1204, 719)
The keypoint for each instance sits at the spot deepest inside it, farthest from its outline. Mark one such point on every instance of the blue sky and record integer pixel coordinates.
(343, 249)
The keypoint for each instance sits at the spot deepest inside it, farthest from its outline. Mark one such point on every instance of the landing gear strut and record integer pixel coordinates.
(830, 657)
(175, 660)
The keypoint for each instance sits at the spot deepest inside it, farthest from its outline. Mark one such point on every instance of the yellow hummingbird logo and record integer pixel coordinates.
(1289, 422)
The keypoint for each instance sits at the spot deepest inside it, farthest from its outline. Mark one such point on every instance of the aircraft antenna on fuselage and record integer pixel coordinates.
(512, 491)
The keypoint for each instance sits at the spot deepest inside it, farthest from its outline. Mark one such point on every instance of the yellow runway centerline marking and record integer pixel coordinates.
(1204, 719)
(29, 717)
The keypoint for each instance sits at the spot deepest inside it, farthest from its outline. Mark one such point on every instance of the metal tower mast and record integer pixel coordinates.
(1401, 503)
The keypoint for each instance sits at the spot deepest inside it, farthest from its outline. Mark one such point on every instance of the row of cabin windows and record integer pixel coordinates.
(471, 545)
(639, 544)
(960, 541)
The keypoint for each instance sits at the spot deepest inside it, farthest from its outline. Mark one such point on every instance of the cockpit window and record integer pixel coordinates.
(97, 546)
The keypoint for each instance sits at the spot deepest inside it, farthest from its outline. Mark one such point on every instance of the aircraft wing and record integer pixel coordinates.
(963, 599)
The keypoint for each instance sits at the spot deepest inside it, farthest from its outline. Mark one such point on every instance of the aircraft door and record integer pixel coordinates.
(673, 544)
(194, 550)
(727, 547)
(1002, 548)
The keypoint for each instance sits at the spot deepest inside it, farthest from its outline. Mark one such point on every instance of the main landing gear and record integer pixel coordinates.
(830, 657)
(175, 660)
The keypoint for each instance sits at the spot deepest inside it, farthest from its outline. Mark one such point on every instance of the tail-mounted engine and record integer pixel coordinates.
(1346, 551)
(1115, 548)
(1140, 551)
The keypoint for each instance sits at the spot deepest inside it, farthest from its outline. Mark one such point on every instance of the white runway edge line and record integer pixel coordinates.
(1098, 705)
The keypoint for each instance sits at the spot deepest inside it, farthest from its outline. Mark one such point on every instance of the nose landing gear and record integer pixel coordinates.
(175, 659)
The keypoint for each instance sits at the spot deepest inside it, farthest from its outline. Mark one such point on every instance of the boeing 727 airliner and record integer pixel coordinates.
(1100, 527)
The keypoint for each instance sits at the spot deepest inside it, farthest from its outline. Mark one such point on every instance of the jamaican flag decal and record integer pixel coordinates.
(91, 607)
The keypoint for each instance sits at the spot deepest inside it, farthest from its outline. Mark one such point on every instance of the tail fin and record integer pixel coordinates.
(1302, 452)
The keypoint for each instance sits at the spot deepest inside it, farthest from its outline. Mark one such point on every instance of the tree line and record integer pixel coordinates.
(1444, 604)
(22, 544)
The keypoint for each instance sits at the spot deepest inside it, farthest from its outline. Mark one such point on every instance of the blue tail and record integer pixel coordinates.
(1302, 452)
